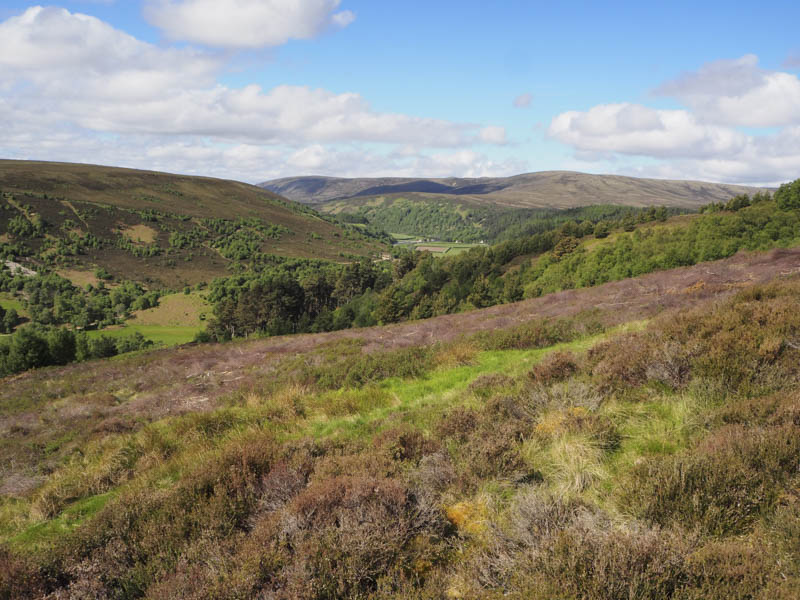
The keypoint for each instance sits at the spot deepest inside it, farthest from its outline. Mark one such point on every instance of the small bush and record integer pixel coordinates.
(723, 485)
(556, 367)
(405, 443)
(485, 386)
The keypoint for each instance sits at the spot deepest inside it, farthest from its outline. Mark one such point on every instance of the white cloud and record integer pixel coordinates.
(638, 130)
(738, 92)
(685, 147)
(73, 88)
(62, 53)
(493, 135)
(523, 101)
(706, 140)
(78, 69)
(245, 23)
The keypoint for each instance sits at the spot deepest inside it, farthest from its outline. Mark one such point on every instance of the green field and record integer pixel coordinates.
(449, 248)
(8, 301)
(161, 334)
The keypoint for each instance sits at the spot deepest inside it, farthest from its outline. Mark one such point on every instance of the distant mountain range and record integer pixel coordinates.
(553, 189)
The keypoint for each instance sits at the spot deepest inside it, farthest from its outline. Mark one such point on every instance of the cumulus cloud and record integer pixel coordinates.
(245, 23)
(74, 88)
(52, 45)
(705, 140)
(85, 71)
(792, 61)
(738, 92)
(493, 135)
(638, 130)
(686, 147)
(523, 101)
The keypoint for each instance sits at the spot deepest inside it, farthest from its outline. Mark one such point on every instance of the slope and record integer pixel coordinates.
(552, 455)
(167, 230)
(546, 189)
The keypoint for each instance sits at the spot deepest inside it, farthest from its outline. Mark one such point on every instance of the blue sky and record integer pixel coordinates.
(257, 89)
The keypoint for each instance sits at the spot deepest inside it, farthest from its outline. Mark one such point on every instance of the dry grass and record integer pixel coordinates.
(139, 233)
(174, 310)
(78, 277)
(457, 354)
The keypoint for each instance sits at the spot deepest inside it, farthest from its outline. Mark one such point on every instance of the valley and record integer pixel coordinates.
(562, 412)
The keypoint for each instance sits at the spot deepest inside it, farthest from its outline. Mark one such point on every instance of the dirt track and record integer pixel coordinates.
(191, 377)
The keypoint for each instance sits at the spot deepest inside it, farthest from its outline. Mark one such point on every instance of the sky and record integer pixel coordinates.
(259, 89)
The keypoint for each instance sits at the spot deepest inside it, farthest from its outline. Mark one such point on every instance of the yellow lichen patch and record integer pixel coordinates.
(551, 423)
(139, 233)
(558, 422)
(469, 516)
(695, 287)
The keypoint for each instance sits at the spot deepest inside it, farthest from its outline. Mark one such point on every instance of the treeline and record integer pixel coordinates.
(448, 221)
(53, 300)
(33, 346)
(9, 319)
(417, 285)
(297, 296)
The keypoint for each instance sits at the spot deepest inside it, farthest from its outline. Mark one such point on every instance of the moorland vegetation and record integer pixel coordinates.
(601, 455)
(559, 458)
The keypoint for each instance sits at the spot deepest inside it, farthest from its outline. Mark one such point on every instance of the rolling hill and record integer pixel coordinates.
(546, 189)
(495, 209)
(162, 229)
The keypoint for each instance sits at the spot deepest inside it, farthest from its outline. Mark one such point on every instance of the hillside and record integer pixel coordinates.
(637, 439)
(546, 189)
(166, 230)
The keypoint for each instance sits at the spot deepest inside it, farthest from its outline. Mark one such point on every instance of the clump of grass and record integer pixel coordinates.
(284, 404)
(456, 354)
(569, 463)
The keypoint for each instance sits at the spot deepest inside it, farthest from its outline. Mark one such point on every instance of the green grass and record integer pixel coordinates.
(423, 399)
(403, 236)
(7, 301)
(162, 334)
(42, 534)
(451, 248)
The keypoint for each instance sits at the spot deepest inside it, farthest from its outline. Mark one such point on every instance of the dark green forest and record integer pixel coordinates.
(307, 297)
(449, 221)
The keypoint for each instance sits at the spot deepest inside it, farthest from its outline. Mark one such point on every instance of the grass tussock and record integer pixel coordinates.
(660, 463)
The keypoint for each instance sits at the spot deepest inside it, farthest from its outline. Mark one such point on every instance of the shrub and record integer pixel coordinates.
(594, 561)
(485, 386)
(556, 367)
(535, 334)
(723, 485)
(405, 443)
(348, 532)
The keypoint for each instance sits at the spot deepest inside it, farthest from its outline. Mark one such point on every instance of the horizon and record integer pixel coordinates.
(343, 88)
(311, 175)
